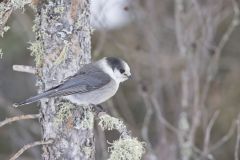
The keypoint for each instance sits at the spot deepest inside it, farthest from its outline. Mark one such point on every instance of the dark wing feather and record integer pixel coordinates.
(87, 79)
(81, 83)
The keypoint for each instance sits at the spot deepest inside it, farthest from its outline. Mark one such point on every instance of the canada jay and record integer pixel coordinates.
(94, 83)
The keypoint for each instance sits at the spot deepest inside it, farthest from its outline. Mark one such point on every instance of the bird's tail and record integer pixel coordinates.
(34, 98)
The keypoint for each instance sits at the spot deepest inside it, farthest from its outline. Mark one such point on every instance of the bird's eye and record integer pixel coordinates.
(122, 70)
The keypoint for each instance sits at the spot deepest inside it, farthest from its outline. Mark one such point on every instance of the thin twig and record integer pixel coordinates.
(162, 119)
(26, 147)
(224, 139)
(147, 121)
(236, 153)
(208, 133)
(213, 67)
(23, 68)
(18, 118)
(179, 7)
(225, 38)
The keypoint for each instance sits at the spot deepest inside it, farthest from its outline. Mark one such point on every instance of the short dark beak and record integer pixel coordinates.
(130, 77)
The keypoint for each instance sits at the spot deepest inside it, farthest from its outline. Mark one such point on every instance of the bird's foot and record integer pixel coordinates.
(98, 108)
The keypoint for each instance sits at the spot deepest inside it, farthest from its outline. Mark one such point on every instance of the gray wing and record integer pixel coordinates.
(89, 78)
(81, 83)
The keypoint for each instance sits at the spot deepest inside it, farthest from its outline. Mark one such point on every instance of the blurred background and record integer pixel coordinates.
(184, 100)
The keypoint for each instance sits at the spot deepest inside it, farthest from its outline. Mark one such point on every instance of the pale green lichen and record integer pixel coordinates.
(88, 151)
(40, 33)
(63, 113)
(36, 47)
(183, 122)
(59, 9)
(87, 121)
(37, 51)
(63, 54)
(186, 150)
(126, 149)
(36, 26)
(92, 29)
(19, 4)
(109, 123)
(186, 146)
(2, 7)
(78, 24)
(1, 53)
(5, 29)
(12, 4)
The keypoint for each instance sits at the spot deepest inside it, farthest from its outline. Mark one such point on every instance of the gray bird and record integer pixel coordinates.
(94, 83)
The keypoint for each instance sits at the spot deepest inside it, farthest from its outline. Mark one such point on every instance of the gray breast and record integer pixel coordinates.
(96, 96)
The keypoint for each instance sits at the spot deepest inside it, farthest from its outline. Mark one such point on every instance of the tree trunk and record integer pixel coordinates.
(62, 45)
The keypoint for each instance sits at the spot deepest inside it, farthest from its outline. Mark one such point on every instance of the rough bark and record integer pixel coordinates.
(62, 45)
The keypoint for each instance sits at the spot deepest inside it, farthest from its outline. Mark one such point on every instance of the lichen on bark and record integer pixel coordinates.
(65, 48)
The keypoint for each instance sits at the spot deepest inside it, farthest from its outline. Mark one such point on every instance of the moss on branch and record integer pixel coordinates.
(126, 149)
(109, 123)
(37, 51)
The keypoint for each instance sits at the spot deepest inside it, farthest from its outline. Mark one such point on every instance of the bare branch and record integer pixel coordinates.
(235, 22)
(236, 153)
(208, 133)
(162, 119)
(18, 118)
(26, 147)
(225, 138)
(23, 68)
(146, 121)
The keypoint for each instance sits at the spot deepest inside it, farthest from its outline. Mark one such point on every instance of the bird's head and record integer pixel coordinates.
(117, 68)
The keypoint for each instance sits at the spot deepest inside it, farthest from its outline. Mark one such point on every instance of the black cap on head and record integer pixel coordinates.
(115, 63)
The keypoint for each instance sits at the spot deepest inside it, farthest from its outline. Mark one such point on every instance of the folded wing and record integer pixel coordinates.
(82, 82)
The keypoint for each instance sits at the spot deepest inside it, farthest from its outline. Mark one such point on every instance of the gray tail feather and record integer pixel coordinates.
(33, 99)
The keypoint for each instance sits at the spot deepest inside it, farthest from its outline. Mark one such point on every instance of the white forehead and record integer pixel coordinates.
(126, 66)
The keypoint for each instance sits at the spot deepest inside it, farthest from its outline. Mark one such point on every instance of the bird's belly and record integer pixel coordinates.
(95, 97)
